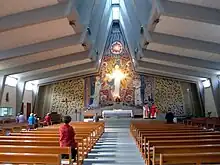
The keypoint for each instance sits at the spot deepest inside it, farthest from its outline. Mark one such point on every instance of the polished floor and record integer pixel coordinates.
(116, 146)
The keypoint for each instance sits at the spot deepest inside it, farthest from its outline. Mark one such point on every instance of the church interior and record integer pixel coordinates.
(117, 68)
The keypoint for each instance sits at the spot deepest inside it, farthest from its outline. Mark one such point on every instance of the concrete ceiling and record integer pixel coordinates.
(55, 39)
(43, 40)
(182, 36)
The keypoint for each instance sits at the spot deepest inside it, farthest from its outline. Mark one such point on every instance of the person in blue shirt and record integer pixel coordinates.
(31, 121)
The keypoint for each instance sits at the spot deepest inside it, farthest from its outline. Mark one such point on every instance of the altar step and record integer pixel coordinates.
(115, 147)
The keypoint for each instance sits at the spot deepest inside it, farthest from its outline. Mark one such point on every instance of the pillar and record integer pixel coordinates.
(215, 90)
(2, 87)
(20, 88)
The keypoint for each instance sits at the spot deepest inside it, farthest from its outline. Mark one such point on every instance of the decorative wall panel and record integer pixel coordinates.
(168, 94)
(67, 96)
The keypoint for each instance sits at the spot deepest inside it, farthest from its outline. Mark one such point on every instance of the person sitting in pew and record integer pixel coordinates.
(47, 120)
(96, 118)
(36, 121)
(20, 118)
(169, 117)
(67, 137)
(31, 121)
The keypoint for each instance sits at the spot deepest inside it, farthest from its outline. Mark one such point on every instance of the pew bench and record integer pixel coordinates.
(30, 158)
(36, 150)
(141, 142)
(188, 142)
(157, 150)
(195, 158)
(140, 139)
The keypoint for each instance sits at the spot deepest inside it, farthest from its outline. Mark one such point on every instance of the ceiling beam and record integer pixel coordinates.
(35, 16)
(42, 46)
(182, 42)
(67, 76)
(76, 57)
(166, 74)
(172, 58)
(189, 11)
(172, 69)
(62, 71)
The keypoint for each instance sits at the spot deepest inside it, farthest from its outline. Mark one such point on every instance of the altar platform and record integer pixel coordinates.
(117, 113)
(136, 112)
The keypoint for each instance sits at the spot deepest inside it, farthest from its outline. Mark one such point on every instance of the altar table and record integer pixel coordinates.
(117, 113)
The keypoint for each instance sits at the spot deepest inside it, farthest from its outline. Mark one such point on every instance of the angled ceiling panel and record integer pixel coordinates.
(182, 51)
(189, 28)
(40, 56)
(9, 7)
(35, 33)
(56, 67)
(205, 3)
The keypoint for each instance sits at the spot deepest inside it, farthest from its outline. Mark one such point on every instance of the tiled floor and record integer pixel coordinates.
(116, 146)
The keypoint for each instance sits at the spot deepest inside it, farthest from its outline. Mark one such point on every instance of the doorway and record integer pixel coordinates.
(28, 110)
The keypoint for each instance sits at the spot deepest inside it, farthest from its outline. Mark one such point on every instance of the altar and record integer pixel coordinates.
(117, 113)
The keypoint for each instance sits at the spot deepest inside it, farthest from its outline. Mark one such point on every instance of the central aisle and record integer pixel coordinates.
(116, 146)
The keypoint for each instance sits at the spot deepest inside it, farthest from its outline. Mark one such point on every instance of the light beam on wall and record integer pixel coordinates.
(206, 83)
(31, 85)
(11, 81)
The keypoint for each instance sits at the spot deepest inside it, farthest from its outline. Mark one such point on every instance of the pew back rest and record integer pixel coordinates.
(35, 149)
(197, 158)
(30, 158)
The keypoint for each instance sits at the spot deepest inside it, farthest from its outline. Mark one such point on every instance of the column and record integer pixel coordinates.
(2, 87)
(215, 90)
(19, 95)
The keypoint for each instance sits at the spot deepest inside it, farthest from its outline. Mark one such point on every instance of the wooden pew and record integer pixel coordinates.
(157, 150)
(30, 158)
(83, 145)
(140, 140)
(86, 135)
(178, 143)
(38, 143)
(144, 132)
(196, 158)
(154, 138)
(36, 150)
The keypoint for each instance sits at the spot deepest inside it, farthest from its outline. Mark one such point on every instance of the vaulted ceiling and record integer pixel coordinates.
(56, 39)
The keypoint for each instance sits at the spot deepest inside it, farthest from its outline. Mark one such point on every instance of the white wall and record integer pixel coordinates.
(209, 102)
(12, 98)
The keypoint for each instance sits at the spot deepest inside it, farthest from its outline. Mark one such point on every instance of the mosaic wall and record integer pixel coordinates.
(167, 93)
(73, 91)
(116, 57)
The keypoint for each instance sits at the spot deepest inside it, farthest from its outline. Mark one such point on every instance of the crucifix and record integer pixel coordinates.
(66, 101)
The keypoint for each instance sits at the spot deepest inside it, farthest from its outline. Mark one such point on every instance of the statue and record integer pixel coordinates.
(117, 76)
(137, 95)
(96, 96)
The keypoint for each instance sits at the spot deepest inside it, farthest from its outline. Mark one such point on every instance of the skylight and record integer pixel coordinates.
(115, 12)
(115, 2)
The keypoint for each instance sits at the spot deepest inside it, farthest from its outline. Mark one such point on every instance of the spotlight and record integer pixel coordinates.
(142, 30)
(88, 30)
(83, 44)
(146, 43)
(72, 23)
(96, 51)
(156, 21)
(136, 50)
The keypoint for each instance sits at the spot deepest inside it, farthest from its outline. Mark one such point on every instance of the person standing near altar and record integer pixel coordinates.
(146, 111)
(153, 111)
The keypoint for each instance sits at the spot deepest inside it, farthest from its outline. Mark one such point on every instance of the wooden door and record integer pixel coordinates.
(28, 109)
(22, 108)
